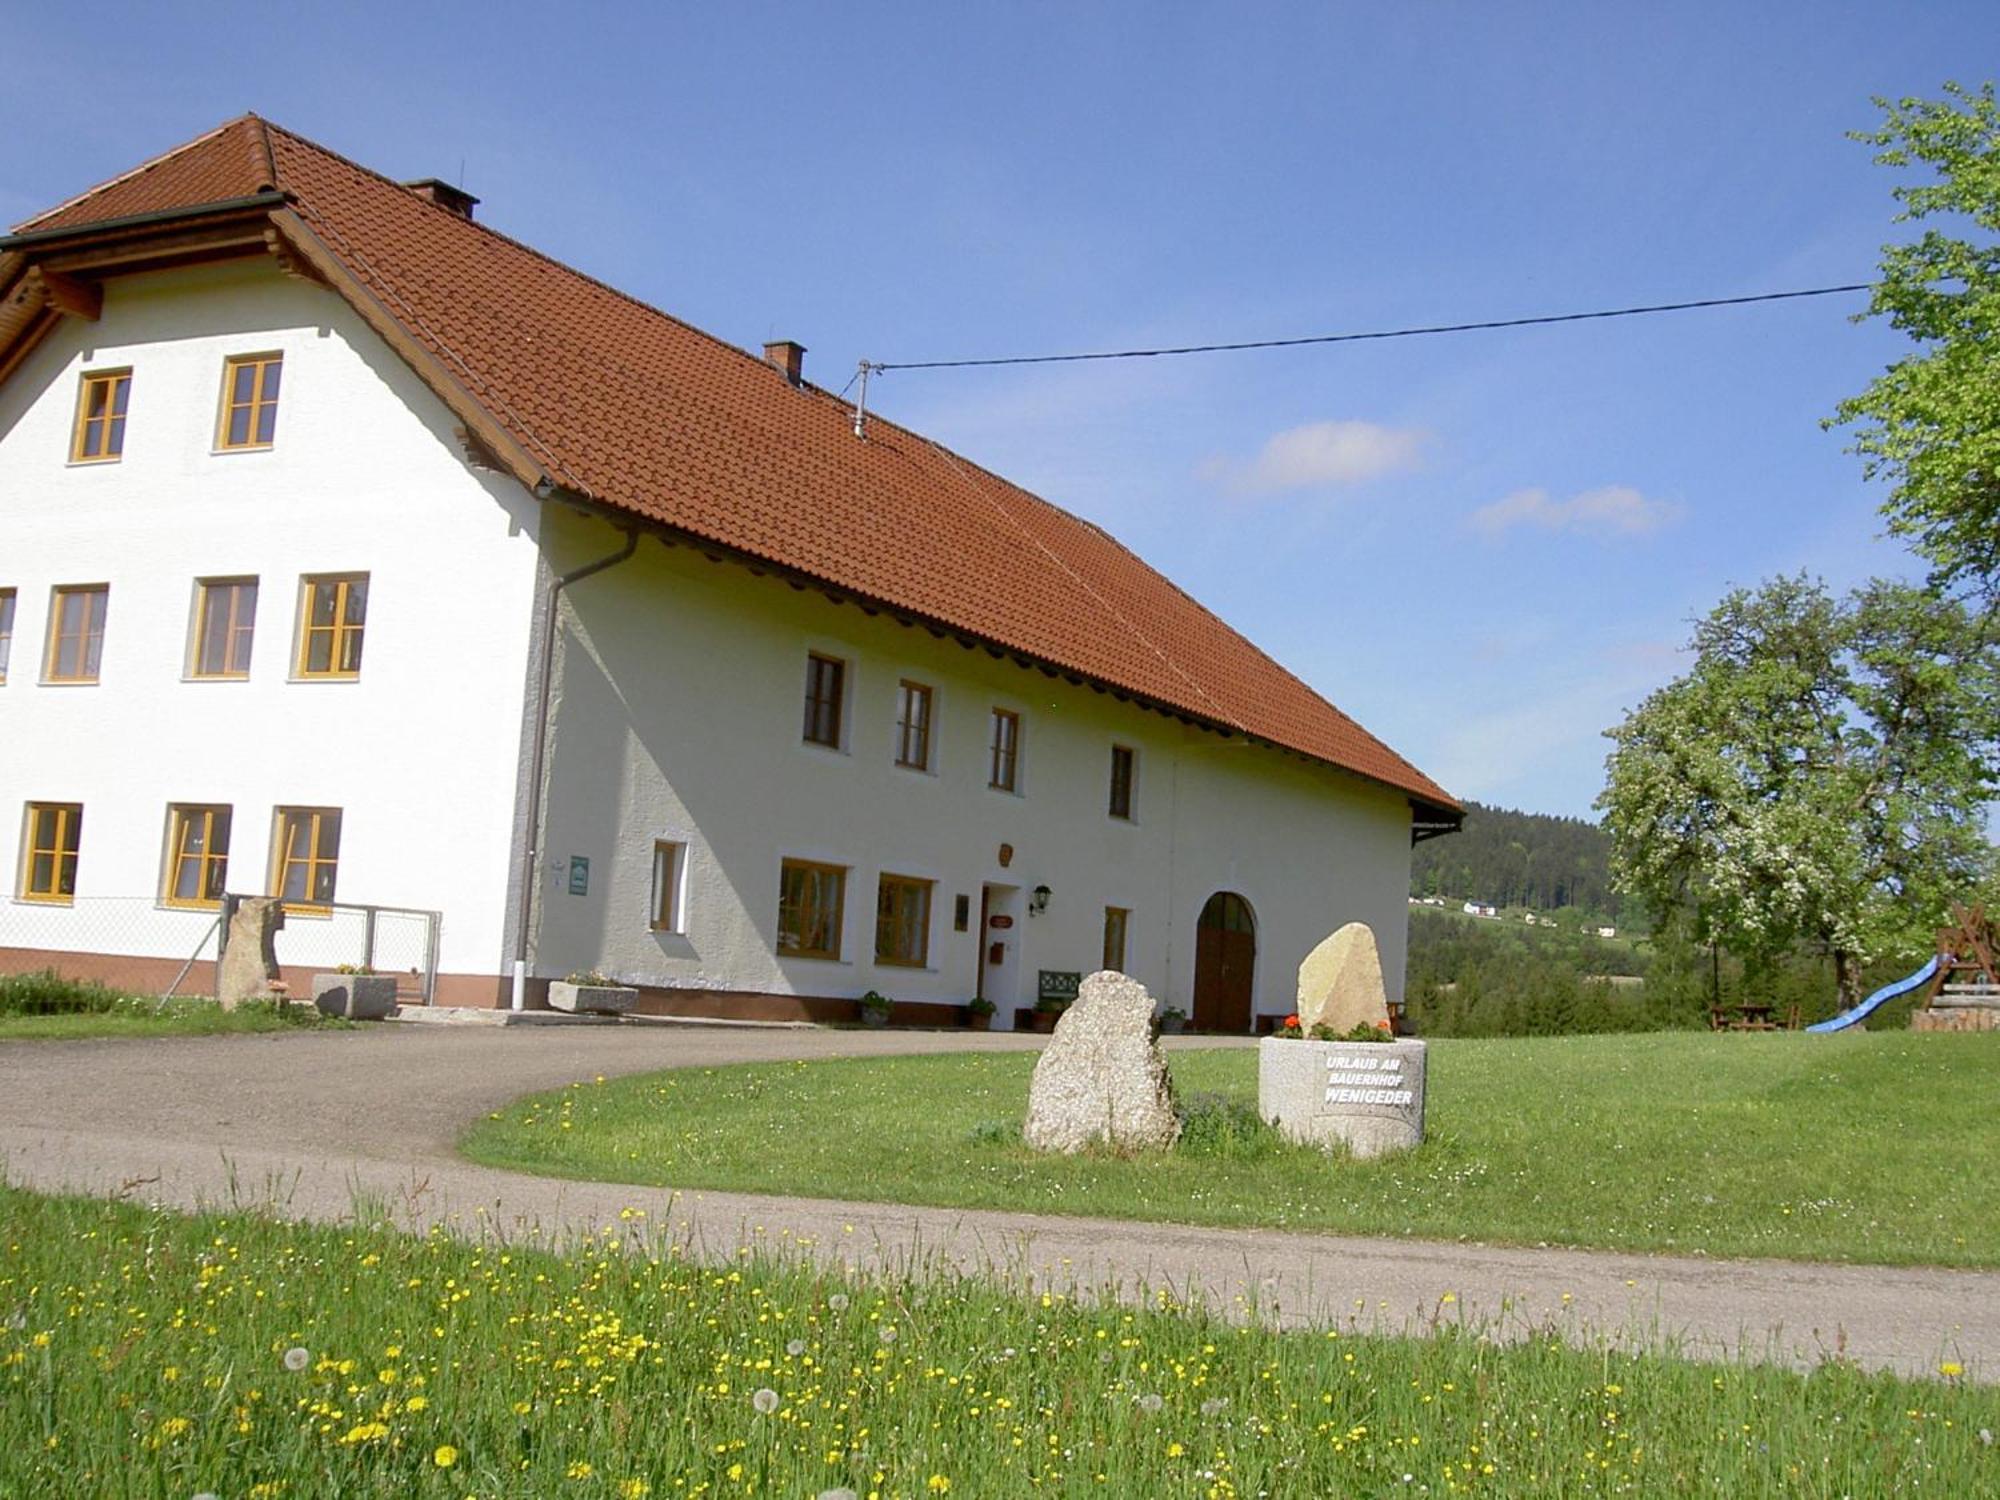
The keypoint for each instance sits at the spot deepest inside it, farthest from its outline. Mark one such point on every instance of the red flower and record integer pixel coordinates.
(1292, 1020)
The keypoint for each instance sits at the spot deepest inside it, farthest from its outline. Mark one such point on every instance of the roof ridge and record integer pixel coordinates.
(27, 225)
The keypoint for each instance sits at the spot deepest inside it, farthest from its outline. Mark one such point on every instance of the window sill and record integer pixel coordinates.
(316, 677)
(72, 681)
(168, 904)
(94, 463)
(244, 448)
(814, 958)
(215, 677)
(26, 899)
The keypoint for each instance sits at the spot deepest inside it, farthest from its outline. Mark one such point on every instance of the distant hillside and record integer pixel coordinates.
(1510, 858)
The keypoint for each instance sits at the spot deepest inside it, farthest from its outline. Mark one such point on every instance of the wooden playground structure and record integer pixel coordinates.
(1964, 993)
(1960, 986)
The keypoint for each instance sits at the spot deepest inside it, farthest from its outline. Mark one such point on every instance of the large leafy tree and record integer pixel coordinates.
(1930, 423)
(1817, 777)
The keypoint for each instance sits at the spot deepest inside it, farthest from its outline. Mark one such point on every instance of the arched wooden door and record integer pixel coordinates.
(1225, 963)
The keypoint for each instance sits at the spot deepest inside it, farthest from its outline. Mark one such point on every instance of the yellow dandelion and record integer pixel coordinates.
(937, 1484)
(1951, 1369)
(445, 1456)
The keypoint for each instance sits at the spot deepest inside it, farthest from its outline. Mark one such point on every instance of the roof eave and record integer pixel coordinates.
(38, 238)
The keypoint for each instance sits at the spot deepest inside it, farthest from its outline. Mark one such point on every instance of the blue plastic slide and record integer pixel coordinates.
(1879, 999)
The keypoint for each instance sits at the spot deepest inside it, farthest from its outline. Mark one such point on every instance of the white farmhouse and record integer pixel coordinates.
(357, 554)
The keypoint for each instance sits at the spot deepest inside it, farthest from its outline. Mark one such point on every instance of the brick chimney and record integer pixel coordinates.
(787, 356)
(453, 200)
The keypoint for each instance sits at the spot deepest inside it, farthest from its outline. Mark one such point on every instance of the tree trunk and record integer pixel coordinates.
(1847, 977)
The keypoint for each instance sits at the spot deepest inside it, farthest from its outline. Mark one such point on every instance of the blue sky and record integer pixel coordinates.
(1484, 547)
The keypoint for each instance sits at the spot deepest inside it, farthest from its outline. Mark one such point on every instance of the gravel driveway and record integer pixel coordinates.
(305, 1122)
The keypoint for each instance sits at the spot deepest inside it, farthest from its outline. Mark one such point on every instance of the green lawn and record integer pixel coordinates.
(145, 1354)
(141, 1017)
(1874, 1147)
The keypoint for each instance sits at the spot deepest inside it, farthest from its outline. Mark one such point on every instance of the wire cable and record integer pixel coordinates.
(1355, 338)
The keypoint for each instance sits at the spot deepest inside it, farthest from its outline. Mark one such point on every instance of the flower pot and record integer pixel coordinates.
(979, 1020)
(874, 1015)
(355, 997)
(591, 999)
(1043, 1020)
(1172, 1025)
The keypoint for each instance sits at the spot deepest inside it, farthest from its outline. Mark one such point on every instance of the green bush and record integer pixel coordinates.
(1227, 1125)
(48, 993)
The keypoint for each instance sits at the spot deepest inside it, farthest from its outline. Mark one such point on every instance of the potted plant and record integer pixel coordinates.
(589, 993)
(1046, 1013)
(1173, 1021)
(875, 1009)
(355, 992)
(979, 1014)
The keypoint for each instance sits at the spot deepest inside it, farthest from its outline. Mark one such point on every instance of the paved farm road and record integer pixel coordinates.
(304, 1121)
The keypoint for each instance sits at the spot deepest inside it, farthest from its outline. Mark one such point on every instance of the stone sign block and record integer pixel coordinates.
(249, 965)
(1369, 1095)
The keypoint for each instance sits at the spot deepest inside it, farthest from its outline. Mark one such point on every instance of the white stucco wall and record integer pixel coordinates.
(679, 714)
(422, 752)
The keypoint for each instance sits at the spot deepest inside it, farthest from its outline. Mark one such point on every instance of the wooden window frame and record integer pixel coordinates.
(7, 602)
(258, 402)
(66, 846)
(923, 698)
(838, 924)
(835, 707)
(1005, 758)
(338, 632)
(88, 673)
(116, 407)
(1124, 782)
(181, 816)
(282, 860)
(1120, 919)
(231, 670)
(664, 906)
(889, 923)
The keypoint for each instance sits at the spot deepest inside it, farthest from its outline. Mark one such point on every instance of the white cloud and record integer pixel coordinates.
(1612, 510)
(1321, 455)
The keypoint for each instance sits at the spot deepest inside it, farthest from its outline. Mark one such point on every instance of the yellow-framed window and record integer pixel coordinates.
(664, 910)
(333, 612)
(811, 902)
(49, 847)
(6, 630)
(1117, 920)
(101, 399)
(249, 401)
(1006, 750)
(76, 632)
(197, 854)
(903, 921)
(225, 626)
(1122, 758)
(305, 855)
(913, 725)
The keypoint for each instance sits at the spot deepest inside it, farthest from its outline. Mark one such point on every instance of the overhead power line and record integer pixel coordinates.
(868, 367)
(1355, 338)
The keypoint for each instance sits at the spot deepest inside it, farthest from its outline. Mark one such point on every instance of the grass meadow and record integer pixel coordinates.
(1869, 1148)
(146, 1354)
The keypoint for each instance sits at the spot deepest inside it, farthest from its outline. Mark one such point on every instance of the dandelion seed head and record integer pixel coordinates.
(887, 1333)
(795, 1348)
(764, 1399)
(838, 1302)
(1150, 1402)
(296, 1358)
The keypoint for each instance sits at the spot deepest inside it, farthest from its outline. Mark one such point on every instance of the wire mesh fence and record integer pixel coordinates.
(145, 947)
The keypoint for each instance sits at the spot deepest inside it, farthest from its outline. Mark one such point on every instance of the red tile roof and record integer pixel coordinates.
(644, 414)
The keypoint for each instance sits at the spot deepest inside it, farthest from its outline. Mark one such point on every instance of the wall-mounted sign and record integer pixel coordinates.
(1058, 984)
(579, 875)
(1000, 923)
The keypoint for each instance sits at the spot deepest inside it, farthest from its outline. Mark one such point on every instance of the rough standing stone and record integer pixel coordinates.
(1369, 1095)
(249, 952)
(1102, 1076)
(1340, 983)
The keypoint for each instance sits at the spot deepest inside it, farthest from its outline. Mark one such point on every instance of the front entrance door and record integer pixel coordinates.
(999, 950)
(1225, 964)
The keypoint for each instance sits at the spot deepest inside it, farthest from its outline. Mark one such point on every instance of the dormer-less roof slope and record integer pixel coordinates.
(640, 413)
